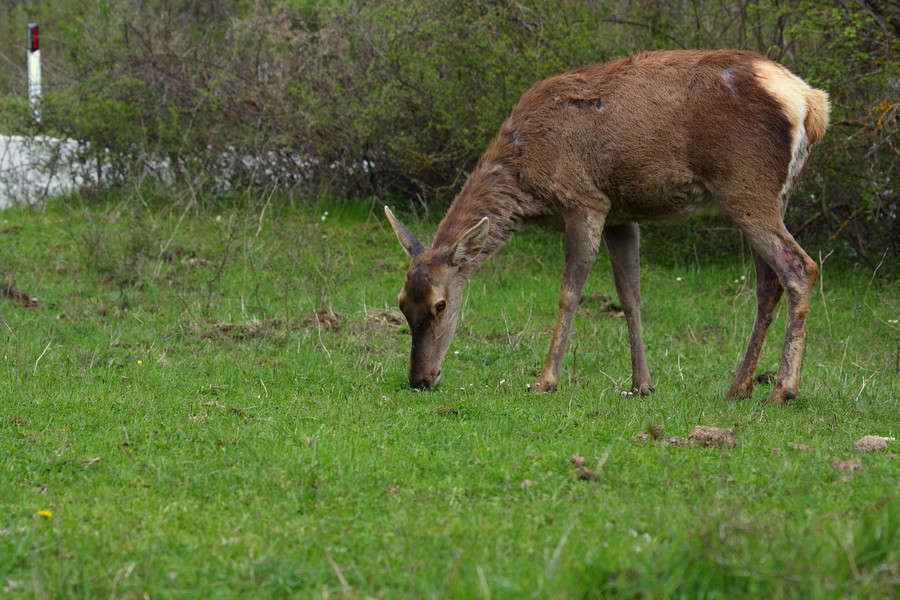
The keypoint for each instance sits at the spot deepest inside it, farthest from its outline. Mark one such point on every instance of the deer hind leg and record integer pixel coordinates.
(768, 293)
(583, 231)
(796, 273)
(623, 245)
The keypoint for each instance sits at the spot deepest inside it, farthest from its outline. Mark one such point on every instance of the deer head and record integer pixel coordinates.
(431, 298)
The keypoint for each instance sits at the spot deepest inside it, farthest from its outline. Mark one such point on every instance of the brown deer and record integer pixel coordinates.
(649, 137)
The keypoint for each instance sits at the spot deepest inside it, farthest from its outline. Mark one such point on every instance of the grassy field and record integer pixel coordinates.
(212, 403)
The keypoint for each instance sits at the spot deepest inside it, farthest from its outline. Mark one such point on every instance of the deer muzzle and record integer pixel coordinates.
(424, 382)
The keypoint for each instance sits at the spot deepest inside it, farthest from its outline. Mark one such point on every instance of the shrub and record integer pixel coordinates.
(401, 96)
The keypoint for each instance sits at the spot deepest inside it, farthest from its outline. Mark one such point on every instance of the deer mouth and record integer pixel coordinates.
(425, 382)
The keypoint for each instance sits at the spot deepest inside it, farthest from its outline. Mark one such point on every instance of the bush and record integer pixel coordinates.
(402, 96)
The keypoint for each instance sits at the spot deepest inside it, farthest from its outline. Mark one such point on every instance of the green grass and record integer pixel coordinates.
(196, 434)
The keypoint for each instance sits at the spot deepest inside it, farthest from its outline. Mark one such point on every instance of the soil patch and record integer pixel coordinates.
(654, 432)
(177, 253)
(846, 465)
(239, 331)
(603, 303)
(701, 435)
(17, 296)
(581, 472)
(323, 317)
(385, 318)
(200, 262)
(677, 441)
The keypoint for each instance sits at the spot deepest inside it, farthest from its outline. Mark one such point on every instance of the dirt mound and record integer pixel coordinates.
(603, 303)
(701, 435)
(846, 465)
(871, 443)
(677, 441)
(238, 331)
(19, 297)
(323, 317)
(712, 436)
(385, 318)
(654, 432)
(582, 472)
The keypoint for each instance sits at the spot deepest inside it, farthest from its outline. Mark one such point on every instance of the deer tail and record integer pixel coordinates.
(818, 110)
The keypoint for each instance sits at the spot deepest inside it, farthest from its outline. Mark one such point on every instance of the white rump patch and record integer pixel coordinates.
(790, 91)
(799, 154)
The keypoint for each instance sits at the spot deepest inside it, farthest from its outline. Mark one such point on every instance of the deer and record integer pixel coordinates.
(654, 136)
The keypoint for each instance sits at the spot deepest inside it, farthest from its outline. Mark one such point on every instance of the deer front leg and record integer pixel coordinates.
(583, 231)
(623, 245)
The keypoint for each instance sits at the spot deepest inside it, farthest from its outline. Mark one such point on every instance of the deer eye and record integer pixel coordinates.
(440, 306)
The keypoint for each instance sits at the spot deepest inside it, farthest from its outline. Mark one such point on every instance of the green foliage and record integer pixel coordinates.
(401, 97)
(851, 197)
(419, 89)
(15, 113)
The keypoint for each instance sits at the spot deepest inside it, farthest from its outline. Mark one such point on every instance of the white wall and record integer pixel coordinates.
(32, 169)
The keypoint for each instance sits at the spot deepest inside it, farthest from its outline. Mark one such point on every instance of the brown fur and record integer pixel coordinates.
(652, 136)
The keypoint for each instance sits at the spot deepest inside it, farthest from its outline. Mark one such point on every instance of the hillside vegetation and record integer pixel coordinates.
(400, 97)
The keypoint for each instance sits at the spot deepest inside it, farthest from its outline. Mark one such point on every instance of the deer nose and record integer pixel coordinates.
(423, 382)
(420, 383)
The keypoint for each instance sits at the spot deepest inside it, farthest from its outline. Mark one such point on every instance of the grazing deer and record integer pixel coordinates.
(656, 135)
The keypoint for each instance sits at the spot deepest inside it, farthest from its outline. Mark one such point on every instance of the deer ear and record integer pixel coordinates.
(407, 239)
(470, 244)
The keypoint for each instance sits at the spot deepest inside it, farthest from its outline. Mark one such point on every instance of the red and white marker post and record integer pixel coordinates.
(34, 71)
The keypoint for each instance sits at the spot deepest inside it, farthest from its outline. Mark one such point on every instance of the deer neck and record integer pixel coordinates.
(491, 191)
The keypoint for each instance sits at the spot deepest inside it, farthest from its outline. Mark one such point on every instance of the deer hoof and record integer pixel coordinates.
(542, 386)
(738, 392)
(644, 389)
(781, 395)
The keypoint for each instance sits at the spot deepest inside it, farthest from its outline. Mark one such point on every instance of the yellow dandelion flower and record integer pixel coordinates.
(140, 362)
(45, 514)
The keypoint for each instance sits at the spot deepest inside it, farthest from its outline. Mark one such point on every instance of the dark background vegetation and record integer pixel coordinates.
(399, 97)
